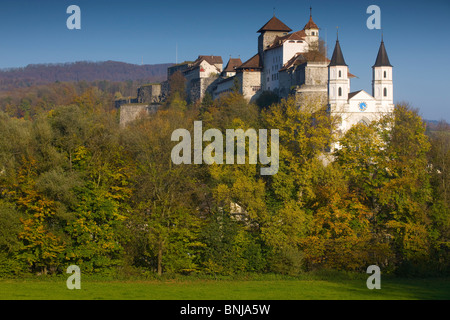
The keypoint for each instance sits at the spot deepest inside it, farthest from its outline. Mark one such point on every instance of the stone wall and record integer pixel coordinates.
(120, 102)
(197, 87)
(150, 93)
(250, 84)
(223, 86)
(131, 112)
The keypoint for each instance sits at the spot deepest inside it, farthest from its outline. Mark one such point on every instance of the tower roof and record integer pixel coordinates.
(382, 57)
(274, 24)
(310, 24)
(232, 64)
(338, 58)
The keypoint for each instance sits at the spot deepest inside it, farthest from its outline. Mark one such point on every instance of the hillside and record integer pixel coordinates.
(39, 74)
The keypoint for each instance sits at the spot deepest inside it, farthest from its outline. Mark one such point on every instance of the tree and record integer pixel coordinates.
(177, 85)
(439, 159)
(163, 210)
(305, 133)
(266, 99)
(387, 169)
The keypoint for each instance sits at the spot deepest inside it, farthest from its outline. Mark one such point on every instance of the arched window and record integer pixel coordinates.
(340, 74)
(385, 92)
(385, 74)
(364, 121)
(340, 92)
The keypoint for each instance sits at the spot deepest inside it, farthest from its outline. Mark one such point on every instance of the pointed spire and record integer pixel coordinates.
(310, 24)
(382, 57)
(338, 58)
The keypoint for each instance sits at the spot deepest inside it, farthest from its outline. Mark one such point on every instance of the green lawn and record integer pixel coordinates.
(225, 289)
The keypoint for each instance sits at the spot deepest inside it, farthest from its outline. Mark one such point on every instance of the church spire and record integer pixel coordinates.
(338, 58)
(382, 57)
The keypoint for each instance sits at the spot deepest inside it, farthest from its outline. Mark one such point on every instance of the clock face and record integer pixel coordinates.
(362, 106)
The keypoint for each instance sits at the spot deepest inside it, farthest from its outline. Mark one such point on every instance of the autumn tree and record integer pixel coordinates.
(163, 213)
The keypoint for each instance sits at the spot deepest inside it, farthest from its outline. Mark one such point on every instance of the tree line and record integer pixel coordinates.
(114, 71)
(77, 188)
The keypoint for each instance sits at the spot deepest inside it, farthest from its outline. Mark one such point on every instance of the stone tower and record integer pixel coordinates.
(273, 28)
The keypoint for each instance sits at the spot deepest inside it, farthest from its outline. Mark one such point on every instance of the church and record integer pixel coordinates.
(359, 106)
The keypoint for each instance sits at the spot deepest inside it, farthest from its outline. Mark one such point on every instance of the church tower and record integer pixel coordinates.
(382, 83)
(338, 80)
(312, 33)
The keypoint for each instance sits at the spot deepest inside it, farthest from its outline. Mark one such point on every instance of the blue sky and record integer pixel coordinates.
(416, 35)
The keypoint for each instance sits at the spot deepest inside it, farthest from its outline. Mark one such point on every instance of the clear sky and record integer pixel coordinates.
(416, 35)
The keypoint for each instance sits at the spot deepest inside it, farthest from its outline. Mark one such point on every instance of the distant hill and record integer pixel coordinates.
(37, 74)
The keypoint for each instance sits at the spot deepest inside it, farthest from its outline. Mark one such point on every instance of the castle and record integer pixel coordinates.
(290, 64)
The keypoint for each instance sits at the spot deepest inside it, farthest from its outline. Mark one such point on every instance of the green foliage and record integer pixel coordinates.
(77, 188)
(266, 99)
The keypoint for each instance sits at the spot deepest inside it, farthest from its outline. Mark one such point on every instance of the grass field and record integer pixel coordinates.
(195, 289)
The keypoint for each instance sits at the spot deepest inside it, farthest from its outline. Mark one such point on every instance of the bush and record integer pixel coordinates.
(287, 261)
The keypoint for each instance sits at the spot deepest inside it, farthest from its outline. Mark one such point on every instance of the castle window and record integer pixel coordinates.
(313, 33)
(340, 74)
(340, 92)
(385, 74)
(385, 92)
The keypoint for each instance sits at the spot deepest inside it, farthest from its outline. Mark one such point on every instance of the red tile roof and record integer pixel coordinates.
(301, 58)
(252, 63)
(278, 41)
(232, 64)
(274, 24)
(311, 24)
(210, 59)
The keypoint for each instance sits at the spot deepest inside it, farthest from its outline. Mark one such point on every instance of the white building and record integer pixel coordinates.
(359, 106)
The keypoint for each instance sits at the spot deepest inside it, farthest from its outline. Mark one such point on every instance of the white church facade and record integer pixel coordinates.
(359, 106)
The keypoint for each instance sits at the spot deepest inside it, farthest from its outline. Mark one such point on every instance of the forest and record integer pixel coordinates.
(39, 74)
(78, 188)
